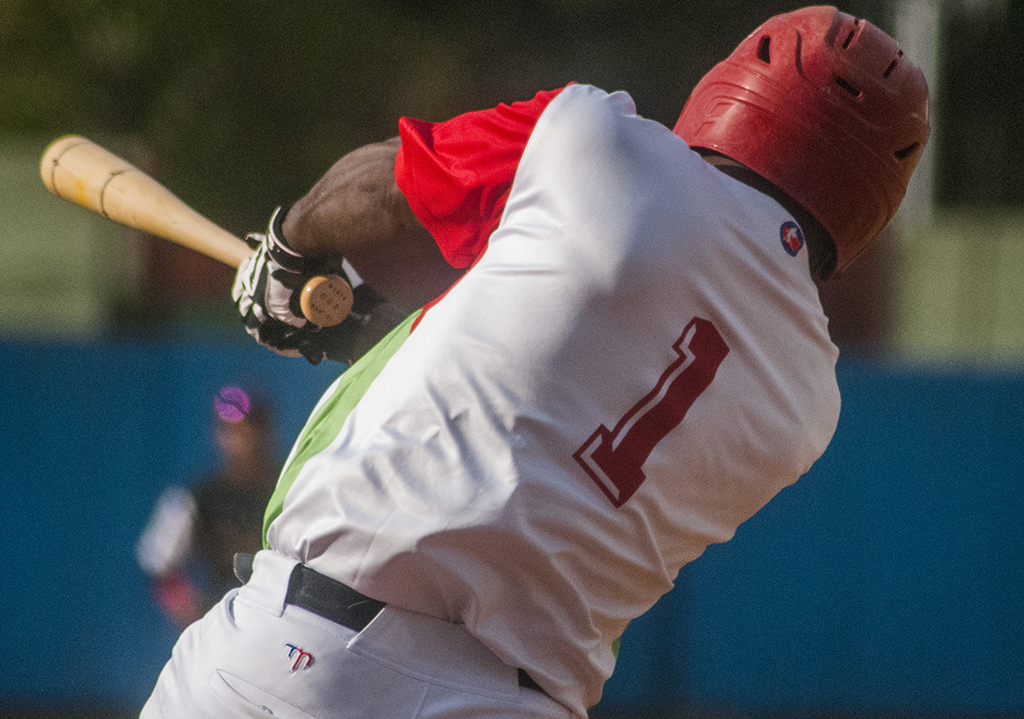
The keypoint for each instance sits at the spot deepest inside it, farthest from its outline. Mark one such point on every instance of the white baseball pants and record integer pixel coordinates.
(253, 655)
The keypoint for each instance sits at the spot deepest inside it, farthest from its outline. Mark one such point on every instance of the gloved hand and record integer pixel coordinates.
(266, 292)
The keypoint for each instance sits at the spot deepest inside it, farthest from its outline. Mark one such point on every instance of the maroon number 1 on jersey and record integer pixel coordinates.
(614, 458)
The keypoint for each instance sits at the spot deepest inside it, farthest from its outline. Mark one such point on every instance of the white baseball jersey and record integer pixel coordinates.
(634, 364)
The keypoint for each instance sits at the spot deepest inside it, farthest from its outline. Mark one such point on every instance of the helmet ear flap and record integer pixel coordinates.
(826, 108)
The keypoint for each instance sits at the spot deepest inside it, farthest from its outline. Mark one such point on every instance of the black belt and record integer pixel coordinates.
(333, 600)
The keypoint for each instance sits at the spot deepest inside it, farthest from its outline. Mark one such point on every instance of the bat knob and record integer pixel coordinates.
(326, 300)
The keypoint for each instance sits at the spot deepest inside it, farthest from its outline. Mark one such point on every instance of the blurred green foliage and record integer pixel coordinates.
(242, 104)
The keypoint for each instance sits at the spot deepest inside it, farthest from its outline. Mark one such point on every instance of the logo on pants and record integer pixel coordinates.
(301, 658)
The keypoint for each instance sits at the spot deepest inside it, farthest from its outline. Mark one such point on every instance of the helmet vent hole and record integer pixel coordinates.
(893, 64)
(848, 87)
(906, 151)
(764, 49)
(849, 38)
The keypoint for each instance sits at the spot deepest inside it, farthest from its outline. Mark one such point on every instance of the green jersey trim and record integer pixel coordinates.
(327, 419)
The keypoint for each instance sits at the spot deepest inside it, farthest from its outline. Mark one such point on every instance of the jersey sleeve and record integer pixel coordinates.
(457, 174)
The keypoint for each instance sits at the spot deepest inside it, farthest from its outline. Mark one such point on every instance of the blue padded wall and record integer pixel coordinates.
(887, 579)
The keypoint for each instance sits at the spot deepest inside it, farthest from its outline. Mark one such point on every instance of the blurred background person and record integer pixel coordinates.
(189, 542)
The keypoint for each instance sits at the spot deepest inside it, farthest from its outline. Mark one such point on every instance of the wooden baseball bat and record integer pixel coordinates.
(80, 171)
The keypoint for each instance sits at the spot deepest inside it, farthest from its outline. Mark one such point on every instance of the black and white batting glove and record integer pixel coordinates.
(267, 290)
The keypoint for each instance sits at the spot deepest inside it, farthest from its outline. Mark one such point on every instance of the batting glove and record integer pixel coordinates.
(267, 290)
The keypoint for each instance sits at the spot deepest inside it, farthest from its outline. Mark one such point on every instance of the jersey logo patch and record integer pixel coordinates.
(792, 237)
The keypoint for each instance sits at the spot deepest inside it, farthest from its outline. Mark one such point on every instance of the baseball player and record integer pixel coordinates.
(193, 533)
(632, 361)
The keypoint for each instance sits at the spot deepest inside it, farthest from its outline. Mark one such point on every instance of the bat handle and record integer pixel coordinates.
(326, 300)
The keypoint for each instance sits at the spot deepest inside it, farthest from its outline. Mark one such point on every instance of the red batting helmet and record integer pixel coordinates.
(825, 107)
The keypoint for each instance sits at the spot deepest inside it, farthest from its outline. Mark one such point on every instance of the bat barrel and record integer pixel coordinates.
(80, 171)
